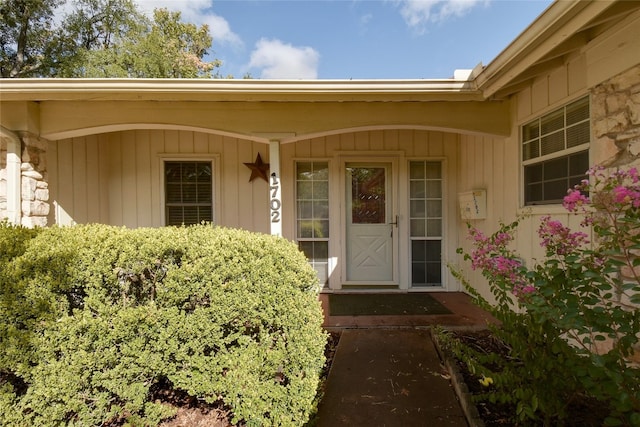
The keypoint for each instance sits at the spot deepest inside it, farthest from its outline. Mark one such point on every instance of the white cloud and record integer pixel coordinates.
(418, 13)
(189, 8)
(196, 12)
(221, 31)
(278, 60)
(363, 23)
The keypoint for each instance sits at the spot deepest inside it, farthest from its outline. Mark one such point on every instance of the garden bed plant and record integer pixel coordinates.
(569, 326)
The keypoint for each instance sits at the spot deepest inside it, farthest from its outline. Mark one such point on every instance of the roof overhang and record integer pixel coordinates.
(63, 108)
(238, 90)
(564, 28)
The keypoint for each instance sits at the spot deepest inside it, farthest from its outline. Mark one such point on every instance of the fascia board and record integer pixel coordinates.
(236, 90)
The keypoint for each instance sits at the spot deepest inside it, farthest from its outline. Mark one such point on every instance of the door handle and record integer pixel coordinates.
(394, 223)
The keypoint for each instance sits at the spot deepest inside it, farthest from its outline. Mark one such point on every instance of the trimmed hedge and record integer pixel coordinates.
(99, 317)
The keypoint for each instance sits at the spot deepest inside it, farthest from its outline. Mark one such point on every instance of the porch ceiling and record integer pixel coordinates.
(258, 120)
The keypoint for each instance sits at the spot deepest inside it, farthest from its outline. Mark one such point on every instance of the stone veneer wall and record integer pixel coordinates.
(616, 121)
(35, 187)
(615, 107)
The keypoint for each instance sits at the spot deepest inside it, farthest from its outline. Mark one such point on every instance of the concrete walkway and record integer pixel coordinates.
(388, 377)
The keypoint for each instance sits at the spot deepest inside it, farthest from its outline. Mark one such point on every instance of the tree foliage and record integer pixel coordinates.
(30, 43)
(100, 38)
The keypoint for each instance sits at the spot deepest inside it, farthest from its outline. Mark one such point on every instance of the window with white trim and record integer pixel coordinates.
(188, 192)
(425, 218)
(555, 152)
(312, 215)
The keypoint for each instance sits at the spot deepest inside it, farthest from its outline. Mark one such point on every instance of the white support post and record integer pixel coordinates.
(14, 184)
(275, 190)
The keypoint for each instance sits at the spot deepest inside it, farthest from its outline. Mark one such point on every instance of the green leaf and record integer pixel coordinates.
(610, 421)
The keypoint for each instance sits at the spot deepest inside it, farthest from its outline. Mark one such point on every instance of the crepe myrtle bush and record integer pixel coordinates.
(571, 321)
(104, 321)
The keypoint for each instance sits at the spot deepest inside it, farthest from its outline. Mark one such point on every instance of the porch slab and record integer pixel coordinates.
(464, 314)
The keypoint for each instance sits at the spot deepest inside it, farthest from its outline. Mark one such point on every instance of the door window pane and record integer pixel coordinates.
(368, 204)
(318, 255)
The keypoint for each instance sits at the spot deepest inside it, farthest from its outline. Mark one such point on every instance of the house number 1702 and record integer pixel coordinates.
(276, 205)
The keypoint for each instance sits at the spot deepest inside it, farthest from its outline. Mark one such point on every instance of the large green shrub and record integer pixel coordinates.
(16, 314)
(226, 316)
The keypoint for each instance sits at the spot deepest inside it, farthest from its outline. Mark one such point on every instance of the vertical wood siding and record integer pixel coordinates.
(116, 178)
(494, 164)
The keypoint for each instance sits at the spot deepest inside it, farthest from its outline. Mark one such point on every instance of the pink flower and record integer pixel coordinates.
(626, 195)
(574, 199)
(559, 239)
(521, 291)
(497, 262)
(502, 238)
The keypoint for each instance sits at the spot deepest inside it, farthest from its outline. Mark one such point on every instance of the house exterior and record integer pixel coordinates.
(375, 180)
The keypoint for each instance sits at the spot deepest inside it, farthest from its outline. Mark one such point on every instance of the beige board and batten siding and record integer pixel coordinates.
(116, 178)
(486, 163)
(495, 164)
(546, 93)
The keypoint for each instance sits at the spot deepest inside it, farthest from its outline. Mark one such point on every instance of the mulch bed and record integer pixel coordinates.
(584, 412)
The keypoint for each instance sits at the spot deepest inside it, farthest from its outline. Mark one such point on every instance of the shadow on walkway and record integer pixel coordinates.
(388, 377)
(386, 370)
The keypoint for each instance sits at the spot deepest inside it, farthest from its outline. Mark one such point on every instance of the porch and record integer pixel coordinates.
(463, 314)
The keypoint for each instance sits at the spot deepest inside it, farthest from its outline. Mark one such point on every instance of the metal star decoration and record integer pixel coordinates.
(259, 169)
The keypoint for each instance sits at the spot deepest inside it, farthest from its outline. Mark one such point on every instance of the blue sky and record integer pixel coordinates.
(355, 39)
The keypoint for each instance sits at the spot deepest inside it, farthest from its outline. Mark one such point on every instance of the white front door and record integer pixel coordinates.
(370, 223)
